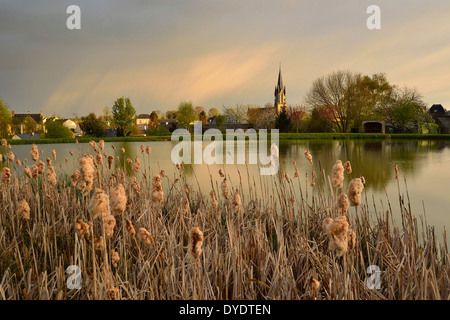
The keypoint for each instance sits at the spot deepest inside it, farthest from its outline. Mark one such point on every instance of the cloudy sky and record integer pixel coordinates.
(210, 52)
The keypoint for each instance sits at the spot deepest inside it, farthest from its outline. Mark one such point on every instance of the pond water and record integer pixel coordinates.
(425, 165)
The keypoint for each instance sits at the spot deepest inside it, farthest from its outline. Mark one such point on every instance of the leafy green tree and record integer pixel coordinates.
(124, 116)
(30, 125)
(93, 126)
(403, 107)
(213, 112)
(171, 114)
(5, 119)
(220, 120)
(186, 114)
(282, 122)
(56, 129)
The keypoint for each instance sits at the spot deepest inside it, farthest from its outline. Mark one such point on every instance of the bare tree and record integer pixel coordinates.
(330, 92)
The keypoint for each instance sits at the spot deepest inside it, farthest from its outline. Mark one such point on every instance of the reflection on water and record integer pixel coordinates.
(425, 164)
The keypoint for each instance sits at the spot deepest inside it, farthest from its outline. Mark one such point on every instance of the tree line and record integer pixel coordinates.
(337, 102)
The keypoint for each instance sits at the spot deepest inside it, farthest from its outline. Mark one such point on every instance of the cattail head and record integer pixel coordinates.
(221, 173)
(354, 192)
(109, 222)
(214, 202)
(163, 174)
(342, 203)
(225, 189)
(157, 192)
(337, 234)
(148, 149)
(137, 164)
(348, 167)
(195, 242)
(130, 162)
(115, 258)
(313, 179)
(4, 143)
(98, 159)
(130, 228)
(313, 283)
(34, 152)
(24, 209)
(18, 163)
(308, 156)
(351, 237)
(34, 171)
(118, 199)
(135, 185)
(27, 171)
(11, 156)
(237, 203)
(338, 175)
(54, 154)
(93, 144)
(396, 171)
(87, 171)
(75, 177)
(286, 176)
(82, 229)
(145, 237)
(102, 145)
(6, 175)
(71, 153)
(123, 150)
(99, 204)
(110, 161)
(41, 166)
(99, 243)
(142, 148)
(296, 174)
(51, 175)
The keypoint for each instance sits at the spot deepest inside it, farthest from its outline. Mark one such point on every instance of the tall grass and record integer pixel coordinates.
(267, 243)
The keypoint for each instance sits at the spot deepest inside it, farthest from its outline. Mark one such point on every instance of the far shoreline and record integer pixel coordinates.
(282, 137)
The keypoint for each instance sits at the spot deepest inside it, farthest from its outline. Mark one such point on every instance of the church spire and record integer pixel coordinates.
(280, 93)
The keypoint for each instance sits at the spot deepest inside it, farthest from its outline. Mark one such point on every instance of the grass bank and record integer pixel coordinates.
(282, 136)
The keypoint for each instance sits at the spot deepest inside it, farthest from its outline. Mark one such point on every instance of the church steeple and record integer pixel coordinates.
(280, 94)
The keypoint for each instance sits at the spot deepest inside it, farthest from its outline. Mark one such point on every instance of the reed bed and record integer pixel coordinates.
(147, 235)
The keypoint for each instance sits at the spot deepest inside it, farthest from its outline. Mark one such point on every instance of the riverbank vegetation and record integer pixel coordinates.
(130, 231)
(282, 136)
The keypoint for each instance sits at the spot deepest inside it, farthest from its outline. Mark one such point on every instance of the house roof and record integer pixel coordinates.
(143, 116)
(26, 136)
(444, 121)
(35, 116)
(436, 109)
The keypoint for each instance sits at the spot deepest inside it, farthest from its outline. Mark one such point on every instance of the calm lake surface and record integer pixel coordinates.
(424, 164)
